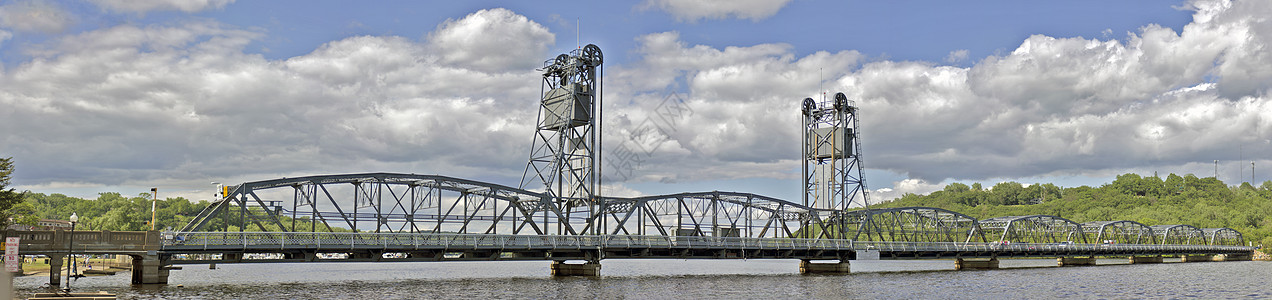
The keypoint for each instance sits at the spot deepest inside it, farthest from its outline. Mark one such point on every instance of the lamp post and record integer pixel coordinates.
(70, 252)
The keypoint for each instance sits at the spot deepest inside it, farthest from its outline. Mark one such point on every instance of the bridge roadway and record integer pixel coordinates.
(304, 247)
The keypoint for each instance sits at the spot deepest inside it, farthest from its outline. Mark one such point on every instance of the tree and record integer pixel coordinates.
(8, 198)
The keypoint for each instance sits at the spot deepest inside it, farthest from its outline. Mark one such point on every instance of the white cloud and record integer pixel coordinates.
(136, 105)
(694, 10)
(956, 56)
(183, 103)
(143, 6)
(34, 15)
(1052, 107)
(900, 188)
(492, 40)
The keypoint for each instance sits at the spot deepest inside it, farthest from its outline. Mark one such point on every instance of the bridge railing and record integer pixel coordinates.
(328, 240)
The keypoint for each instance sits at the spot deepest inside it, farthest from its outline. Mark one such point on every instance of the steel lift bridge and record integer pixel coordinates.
(557, 212)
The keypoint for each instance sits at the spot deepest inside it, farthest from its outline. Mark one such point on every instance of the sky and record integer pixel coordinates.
(121, 96)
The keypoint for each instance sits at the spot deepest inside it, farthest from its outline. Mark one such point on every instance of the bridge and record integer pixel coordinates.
(407, 217)
(558, 212)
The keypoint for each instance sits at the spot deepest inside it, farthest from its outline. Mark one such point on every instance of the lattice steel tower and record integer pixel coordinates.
(833, 174)
(565, 152)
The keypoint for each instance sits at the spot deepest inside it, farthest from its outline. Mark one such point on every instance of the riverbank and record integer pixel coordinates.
(1260, 256)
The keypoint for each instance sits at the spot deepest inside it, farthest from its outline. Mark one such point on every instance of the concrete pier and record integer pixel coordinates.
(560, 268)
(55, 269)
(149, 269)
(809, 267)
(1196, 258)
(1145, 259)
(976, 264)
(1075, 261)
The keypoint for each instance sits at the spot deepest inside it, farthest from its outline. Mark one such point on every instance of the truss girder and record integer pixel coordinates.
(388, 202)
(911, 224)
(383, 202)
(1223, 236)
(1119, 232)
(713, 214)
(1179, 235)
(1033, 229)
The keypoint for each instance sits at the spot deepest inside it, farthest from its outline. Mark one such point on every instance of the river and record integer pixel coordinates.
(690, 279)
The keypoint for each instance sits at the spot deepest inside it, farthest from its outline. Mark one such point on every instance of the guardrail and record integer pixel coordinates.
(89, 241)
(281, 240)
(257, 241)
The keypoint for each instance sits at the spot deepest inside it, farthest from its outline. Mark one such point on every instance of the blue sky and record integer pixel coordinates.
(177, 94)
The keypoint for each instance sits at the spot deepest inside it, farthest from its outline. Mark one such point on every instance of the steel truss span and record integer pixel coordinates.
(911, 224)
(1119, 232)
(410, 203)
(1033, 229)
(433, 204)
(1179, 235)
(1223, 236)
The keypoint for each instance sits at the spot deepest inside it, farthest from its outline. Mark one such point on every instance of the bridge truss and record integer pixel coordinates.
(1179, 235)
(1119, 232)
(1223, 236)
(1033, 229)
(410, 203)
(911, 224)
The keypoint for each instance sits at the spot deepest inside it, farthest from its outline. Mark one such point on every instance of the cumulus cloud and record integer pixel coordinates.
(1157, 99)
(143, 6)
(692, 11)
(185, 103)
(492, 40)
(741, 120)
(34, 16)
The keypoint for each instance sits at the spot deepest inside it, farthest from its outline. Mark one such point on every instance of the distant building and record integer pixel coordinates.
(44, 224)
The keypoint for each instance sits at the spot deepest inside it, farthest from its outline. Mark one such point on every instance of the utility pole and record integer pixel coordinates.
(1216, 169)
(154, 203)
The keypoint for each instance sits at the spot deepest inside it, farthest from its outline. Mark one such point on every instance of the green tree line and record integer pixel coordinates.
(1189, 200)
(111, 211)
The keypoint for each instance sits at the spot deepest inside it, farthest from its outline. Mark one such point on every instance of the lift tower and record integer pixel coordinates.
(833, 175)
(565, 152)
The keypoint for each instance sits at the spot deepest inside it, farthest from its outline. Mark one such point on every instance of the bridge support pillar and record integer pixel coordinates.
(55, 269)
(1233, 257)
(1145, 259)
(809, 267)
(976, 264)
(1075, 261)
(1196, 258)
(149, 269)
(560, 268)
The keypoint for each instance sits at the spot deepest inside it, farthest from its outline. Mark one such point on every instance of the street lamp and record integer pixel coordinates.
(70, 252)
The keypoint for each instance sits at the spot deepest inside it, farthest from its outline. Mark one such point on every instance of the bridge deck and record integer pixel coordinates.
(438, 247)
